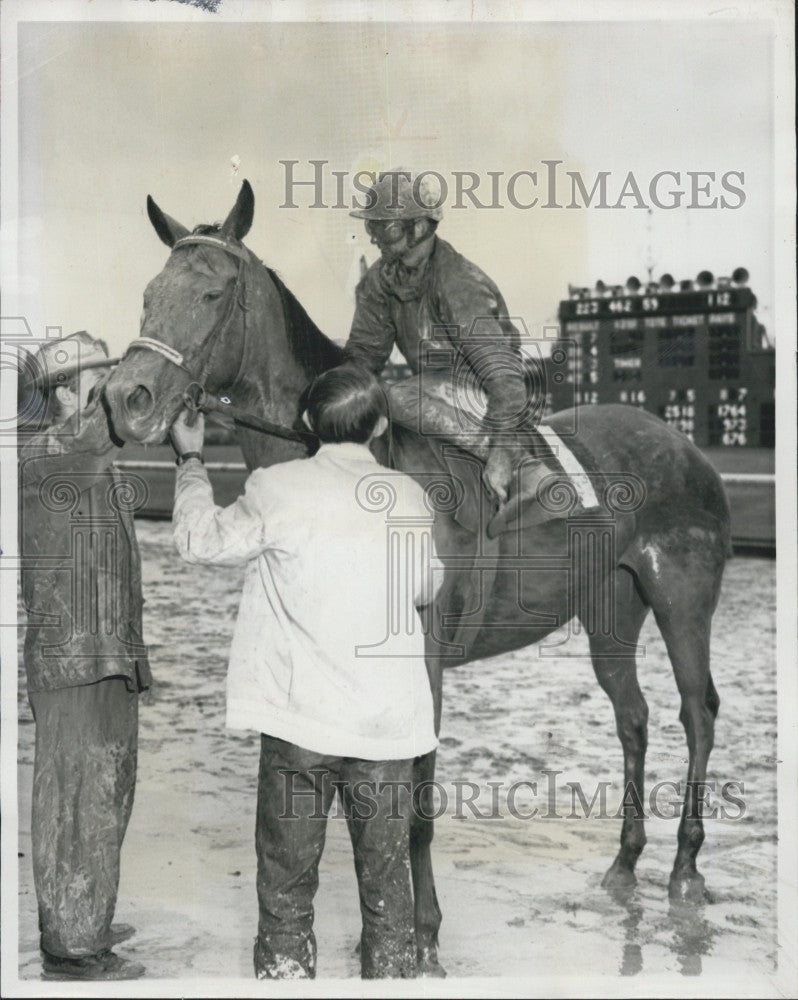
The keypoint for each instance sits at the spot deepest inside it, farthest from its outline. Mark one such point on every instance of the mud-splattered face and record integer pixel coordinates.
(389, 236)
(184, 308)
(189, 307)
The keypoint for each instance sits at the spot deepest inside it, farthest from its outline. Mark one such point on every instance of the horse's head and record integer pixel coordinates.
(192, 326)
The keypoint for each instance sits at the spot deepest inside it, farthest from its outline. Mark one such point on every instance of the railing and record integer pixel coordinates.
(136, 466)
(761, 478)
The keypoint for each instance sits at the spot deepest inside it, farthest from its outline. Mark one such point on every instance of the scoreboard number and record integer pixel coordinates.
(737, 395)
(732, 413)
(637, 397)
(734, 438)
(679, 411)
(733, 410)
(620, 305)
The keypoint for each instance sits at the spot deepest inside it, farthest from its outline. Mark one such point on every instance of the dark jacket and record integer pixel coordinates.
(81, 571)
(446, 315)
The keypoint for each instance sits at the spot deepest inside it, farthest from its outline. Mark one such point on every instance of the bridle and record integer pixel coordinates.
(209, 344)
(196, 397)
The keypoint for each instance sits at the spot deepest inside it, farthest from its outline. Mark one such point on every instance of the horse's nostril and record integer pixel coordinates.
(139, 401)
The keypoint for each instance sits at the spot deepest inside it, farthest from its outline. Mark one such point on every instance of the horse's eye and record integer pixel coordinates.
(211, 296)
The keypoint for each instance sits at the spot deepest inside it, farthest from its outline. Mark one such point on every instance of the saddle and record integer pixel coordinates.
(452, 425)
(548, 483)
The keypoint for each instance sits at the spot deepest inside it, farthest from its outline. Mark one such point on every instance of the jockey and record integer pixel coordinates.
(446, 316)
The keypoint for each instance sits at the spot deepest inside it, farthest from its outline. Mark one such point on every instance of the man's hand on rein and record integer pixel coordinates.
(185, 438)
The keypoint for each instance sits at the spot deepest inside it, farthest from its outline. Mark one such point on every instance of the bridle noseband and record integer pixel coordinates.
(196, 397)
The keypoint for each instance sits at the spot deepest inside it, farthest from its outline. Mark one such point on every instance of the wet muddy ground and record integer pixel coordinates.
(520, 896)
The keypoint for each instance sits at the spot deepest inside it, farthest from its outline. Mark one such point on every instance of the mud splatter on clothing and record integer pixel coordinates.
(84, 779)
(296, 790)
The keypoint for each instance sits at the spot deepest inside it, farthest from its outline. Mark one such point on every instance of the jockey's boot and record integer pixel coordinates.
(541, 494)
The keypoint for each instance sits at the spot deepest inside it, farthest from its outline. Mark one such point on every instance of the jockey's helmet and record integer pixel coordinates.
(399, 194)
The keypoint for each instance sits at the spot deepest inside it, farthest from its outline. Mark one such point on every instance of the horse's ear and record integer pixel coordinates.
(239, 220)
(166, 227)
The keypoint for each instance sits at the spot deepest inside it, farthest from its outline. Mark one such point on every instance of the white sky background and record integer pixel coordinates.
(111, 112)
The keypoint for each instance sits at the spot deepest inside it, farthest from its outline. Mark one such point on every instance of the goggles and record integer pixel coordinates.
(386, 230)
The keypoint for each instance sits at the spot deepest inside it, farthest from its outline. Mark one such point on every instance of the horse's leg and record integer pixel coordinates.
(427, 911)
(683, 592)
(614, 663)
(688, 646)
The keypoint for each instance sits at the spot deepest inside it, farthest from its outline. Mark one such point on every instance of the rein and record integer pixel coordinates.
(196, 397)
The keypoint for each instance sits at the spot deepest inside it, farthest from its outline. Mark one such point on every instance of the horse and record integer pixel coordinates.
(217, 316)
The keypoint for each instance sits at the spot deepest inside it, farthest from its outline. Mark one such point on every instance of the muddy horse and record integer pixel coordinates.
(217, 316)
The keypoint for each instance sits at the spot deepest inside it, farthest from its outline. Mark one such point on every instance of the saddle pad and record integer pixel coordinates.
(570, 465)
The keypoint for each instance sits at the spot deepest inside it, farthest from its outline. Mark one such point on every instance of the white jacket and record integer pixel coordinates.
(328, 649)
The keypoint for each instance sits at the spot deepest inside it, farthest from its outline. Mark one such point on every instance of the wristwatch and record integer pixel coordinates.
(182, 459)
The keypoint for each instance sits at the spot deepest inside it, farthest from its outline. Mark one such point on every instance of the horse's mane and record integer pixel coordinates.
(310, 348)
(314, 351)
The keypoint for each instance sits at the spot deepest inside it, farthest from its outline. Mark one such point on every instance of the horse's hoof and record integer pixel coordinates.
(428, 966)
(619, 877)
(688, 889)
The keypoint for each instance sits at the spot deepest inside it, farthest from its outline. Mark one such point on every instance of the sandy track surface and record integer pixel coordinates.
(520, 897)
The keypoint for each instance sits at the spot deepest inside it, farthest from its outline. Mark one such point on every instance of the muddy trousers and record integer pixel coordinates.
(84, 776)
(289, 836)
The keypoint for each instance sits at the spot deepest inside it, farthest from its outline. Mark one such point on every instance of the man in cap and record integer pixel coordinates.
(84, 655)
(446, 316)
